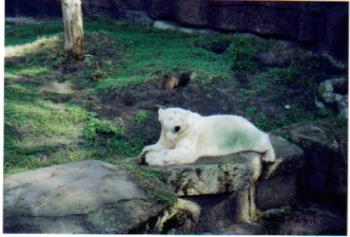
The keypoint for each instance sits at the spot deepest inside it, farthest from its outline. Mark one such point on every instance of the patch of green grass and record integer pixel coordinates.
(110, 138)
(265, 123)
(293, 115)
(251, 110)
(41, 117)
(15, 161)
(34, 125)
(160, 51)
(40, 133)
(34, 60)
(116, 52)
(291, 75)
(217, 43)
(120, 82)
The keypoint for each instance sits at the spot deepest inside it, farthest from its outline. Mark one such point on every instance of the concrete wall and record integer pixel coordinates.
(323, 26)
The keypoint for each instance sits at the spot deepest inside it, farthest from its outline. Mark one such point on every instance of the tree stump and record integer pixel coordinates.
(73, 29)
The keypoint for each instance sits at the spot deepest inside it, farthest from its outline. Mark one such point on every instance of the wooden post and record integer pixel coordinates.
(73, 29)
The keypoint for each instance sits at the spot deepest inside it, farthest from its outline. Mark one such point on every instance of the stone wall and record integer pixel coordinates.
(322, 26)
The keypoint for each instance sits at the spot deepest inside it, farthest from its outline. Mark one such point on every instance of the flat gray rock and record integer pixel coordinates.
(82, 197)
(212, 175)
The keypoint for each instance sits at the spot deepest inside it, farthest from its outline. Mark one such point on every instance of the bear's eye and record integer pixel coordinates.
(177, 128)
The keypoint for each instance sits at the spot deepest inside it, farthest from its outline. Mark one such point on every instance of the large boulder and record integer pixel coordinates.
(325, 169)
(81, 197)
(310, 136)
(278, 185)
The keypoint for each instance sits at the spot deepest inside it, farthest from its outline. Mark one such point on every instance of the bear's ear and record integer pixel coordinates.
(160, 114)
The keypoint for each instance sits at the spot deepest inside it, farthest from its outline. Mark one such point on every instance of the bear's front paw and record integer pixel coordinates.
(142, 156)
(152, 158)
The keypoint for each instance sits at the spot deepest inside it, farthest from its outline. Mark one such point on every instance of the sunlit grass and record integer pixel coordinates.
(35, 46)
(34, 71)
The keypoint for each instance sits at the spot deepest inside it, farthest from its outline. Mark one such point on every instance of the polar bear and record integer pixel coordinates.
(187, 136)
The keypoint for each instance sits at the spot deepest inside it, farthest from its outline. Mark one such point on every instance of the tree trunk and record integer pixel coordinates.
(73, 29)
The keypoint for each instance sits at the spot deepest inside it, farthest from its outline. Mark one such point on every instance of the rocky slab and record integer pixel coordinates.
(212, 175)
(82, 197)
(231, 173)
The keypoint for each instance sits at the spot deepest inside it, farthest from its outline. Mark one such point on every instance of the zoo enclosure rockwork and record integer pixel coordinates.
(234, 194)
(322, 26)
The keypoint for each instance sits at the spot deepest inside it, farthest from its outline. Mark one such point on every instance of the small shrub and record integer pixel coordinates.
(287, 75)
(241, 52)
(325, 113)
(95, 127)
(250, 110)
(264, 122)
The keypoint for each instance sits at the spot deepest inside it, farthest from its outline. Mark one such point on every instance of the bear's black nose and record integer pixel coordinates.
(177, 128)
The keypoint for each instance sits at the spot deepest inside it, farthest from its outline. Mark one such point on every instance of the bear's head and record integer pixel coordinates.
(174, 121)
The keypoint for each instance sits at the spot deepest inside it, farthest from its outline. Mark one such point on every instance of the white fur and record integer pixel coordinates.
(200, 136)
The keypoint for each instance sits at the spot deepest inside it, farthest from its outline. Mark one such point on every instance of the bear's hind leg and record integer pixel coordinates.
(266, 148)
